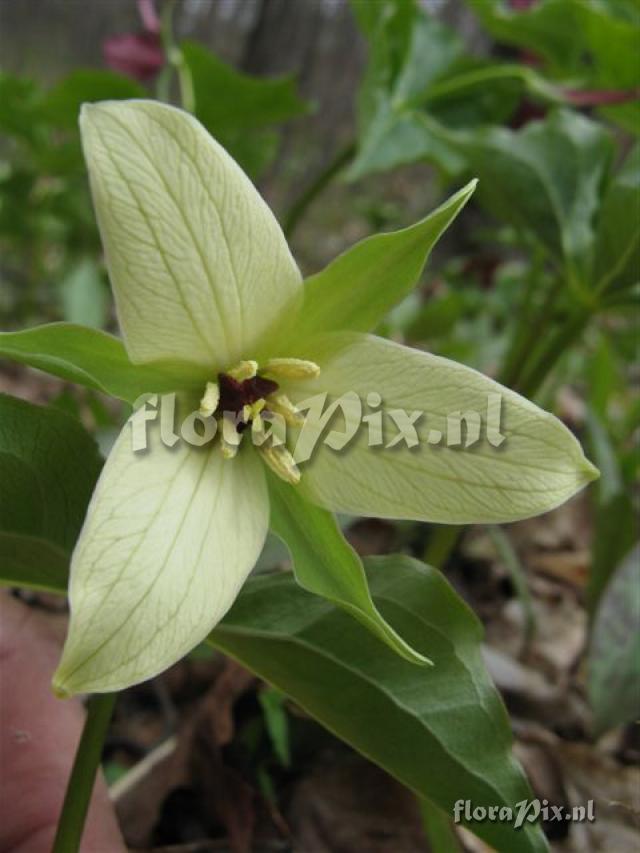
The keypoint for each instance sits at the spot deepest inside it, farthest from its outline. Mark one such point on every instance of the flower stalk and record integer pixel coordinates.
(83, 774)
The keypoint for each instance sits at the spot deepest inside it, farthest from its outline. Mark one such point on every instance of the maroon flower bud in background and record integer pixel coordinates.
(140, 55)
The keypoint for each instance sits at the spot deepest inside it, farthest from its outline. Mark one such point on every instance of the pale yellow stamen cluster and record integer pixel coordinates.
(273, 451)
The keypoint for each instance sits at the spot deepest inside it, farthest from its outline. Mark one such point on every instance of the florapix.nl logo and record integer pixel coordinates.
(336, 423)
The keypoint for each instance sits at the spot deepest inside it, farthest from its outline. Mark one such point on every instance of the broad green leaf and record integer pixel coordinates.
(48, 468)
(546, 178)
(85, 298)
(442, 730)
(63, 103)
(97, 360)
(169, 539)
(33, 563)
(357, 289)
(228, 100)
(617, 261)
(324, 563)
(432, 475)
(235, 107)
(199, 266)
(614, 652)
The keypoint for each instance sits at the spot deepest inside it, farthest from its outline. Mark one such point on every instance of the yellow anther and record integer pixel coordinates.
(228, 449)
(292, 368)
(210, 399)
(282, 405)
(243, 370)
(230, 438)
(281, 463)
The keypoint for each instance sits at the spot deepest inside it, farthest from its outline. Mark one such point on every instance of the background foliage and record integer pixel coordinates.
(537, 285)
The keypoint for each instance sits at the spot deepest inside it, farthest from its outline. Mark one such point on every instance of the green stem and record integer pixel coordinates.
(175, 59)
(540, 367)
(299, 207)
(523, 346)
(507, 554)
(523, 321)
(529, 78)
(442, 540)
(83, 774)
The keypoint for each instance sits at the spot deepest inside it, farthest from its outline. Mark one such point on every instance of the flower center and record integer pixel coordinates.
(243, 398)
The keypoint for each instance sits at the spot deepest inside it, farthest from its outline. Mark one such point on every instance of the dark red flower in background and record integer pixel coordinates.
(140, 54)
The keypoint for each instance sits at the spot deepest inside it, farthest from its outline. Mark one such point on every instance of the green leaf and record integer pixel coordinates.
(396, 139)
(85, 297)
(546, 178)
(96, 360)
(441, 731)
(357, 289)
(417, 65)
(233, 105)
(227, 99)
(614, 652)
(62, 103)
(33, 563)
(324, 563)
(48, 467)
(617, 261)
(408, 51)
(593, 43)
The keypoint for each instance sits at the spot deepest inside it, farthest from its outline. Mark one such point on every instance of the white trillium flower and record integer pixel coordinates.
(203, 276)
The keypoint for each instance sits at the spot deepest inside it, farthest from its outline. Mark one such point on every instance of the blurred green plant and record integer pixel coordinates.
(51, 267)
(542, 293)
